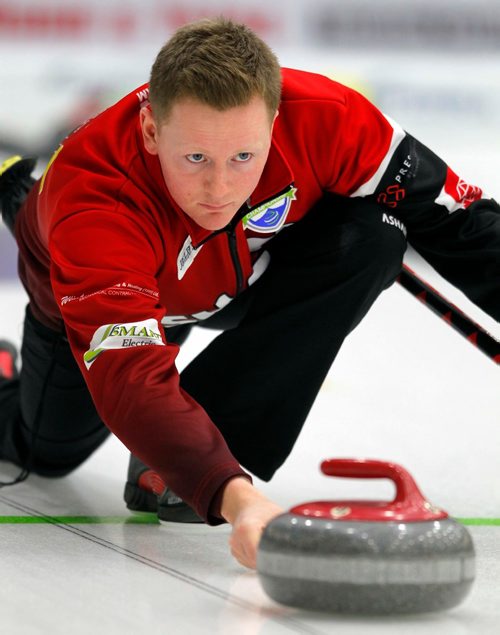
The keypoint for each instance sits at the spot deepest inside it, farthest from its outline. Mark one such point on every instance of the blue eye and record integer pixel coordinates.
(195, 158)
(243, 156)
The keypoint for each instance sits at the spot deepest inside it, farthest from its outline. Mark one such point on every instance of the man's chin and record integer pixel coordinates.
(214, 221)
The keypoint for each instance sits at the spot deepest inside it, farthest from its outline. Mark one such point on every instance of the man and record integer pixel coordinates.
(271, 204)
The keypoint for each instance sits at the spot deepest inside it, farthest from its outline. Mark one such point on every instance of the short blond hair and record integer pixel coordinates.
(218, 62)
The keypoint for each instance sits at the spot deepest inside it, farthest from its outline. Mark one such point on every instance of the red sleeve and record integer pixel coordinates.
(103, 277)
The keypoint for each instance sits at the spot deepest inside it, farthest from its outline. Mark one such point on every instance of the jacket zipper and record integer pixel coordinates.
(230, 231)
(231, 236)
(233, 249)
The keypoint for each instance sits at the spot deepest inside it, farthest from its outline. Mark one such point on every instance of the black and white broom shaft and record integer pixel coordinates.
(461, 322)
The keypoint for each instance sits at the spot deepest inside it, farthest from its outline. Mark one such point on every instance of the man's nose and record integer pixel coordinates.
(217, 184)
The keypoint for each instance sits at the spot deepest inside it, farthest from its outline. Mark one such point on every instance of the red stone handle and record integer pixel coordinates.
(407, 492)
(409, 504)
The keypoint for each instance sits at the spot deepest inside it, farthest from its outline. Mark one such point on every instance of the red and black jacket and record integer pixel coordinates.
(105, 250)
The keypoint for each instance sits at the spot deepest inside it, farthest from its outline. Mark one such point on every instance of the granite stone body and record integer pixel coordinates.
(383, 567)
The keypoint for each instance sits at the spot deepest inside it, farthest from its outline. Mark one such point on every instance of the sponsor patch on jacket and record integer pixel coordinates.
(457, 194)
(395, 222)
(121, 336)
(270, 216)
(186, 256)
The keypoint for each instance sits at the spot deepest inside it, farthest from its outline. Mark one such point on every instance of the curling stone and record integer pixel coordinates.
(372, 557)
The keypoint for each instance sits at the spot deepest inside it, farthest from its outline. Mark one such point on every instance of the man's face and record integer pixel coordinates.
(211, 160)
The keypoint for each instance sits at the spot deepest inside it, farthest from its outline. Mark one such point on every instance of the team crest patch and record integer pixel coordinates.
(269, 217)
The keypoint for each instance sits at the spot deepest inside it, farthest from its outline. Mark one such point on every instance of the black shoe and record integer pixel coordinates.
(15, 183)
(8, 356)
(145, 491)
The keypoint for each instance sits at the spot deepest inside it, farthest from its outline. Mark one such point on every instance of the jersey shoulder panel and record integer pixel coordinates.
(303, 85)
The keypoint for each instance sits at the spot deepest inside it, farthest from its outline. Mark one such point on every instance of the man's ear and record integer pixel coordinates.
(149, 130)
(274, 120)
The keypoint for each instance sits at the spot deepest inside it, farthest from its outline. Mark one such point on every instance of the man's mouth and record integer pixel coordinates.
(215, 208)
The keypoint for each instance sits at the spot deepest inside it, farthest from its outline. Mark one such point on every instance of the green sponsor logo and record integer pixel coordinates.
(90, 356)
(120, 336)
(281, 203)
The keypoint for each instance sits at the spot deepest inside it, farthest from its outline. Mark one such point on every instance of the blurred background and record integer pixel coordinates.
(433, 65)
(428, 62)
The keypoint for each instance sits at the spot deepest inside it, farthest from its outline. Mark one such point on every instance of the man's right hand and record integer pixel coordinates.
(248, 511)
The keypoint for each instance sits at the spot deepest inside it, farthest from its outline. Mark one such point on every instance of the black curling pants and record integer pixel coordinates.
(258, 379)
(48, 422)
